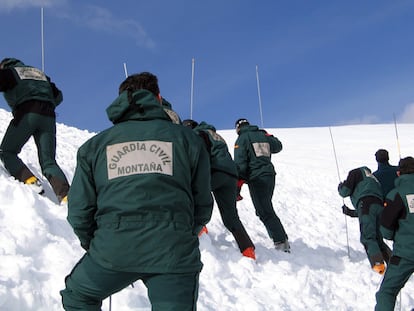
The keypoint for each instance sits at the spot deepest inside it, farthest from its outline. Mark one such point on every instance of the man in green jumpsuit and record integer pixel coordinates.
(397, 224)
(367, 198)
(224, 183)
(33, 99)
(139, 197)
(252, 155)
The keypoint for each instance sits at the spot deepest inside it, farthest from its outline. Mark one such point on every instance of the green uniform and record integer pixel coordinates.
(365, 193)
(33, 98)
(252, 155)
(224, 183)
(397, 224)
(139, 197)
(386, 175)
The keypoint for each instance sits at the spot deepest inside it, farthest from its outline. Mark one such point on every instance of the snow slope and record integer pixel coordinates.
(38, 247)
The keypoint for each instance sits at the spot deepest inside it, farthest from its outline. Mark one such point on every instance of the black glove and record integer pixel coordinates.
(349, 212)
(340, 185)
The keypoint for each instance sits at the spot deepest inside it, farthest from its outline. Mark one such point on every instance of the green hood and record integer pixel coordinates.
(143, 105)
(11, 62)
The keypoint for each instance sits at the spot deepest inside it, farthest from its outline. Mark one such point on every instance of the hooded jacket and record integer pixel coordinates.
(360, 183)
(252, 152)
(397, 220)
(21, 83)
(141, 190)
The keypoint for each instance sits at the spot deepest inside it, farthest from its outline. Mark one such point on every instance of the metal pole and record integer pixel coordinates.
(42, 36)
(396, 134)
(258, 93)
(192, 88)
(339, 177)
(125, 70)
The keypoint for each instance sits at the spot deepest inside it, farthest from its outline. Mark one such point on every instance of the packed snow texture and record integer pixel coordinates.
(327, 268)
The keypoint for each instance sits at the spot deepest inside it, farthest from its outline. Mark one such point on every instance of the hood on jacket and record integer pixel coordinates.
(10, 62)
(139, 105)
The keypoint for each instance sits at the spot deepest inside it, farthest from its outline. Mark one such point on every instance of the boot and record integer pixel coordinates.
(35, 184)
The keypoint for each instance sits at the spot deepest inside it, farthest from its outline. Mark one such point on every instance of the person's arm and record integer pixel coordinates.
(274, 142)
(393, 211)
(241, 158)
(7, 80)
(57, 94)
(203, 201)
(347, 187)
(82, 201)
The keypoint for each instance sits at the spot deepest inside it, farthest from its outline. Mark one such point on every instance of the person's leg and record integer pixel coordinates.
(89, 283)
(398, 272)
(261, 192)
(13, 141)
(45, 140)
(368, 233)
(173, 292)
(224, 188)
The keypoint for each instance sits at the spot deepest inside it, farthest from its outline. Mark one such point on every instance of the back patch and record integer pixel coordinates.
(139, 157)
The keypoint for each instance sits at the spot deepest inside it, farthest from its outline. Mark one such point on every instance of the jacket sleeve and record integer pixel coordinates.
(241, 158)
(346, 188)
(274, 142)
(203, 201)
(57, 94)
(7, 80)
(82, 201)
(393, 211)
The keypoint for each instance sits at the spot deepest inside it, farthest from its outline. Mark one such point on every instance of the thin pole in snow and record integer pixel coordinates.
(258, 93)
(396, 134)
(42, 38)
(125, 70)
(339, 177)
(192, 88)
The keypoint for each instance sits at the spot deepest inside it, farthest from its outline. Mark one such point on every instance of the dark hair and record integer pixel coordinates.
(190, 123)
(382, 156)
(406, 165)
(143, 80)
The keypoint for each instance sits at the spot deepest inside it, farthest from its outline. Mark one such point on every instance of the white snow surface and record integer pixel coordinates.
(326, 270)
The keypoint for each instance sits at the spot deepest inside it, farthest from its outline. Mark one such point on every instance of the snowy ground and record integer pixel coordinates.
(38, 248)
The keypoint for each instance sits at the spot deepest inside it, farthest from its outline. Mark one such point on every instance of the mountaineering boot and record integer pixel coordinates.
(249, 252)
(203, 230)
(283, 246)
(35, 184)
(64, 200)
(379, 267)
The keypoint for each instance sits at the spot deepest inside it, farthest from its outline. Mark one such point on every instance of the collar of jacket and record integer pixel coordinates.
(248, 128)
(141, 105)
(205, 126)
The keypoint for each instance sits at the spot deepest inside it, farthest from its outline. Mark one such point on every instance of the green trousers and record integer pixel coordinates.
(261, 191)
(370, 234)
(89, 284)
(397, 274)
(224, 188)
(43, 130)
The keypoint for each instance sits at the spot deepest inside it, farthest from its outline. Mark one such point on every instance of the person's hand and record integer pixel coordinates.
(240, 183)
